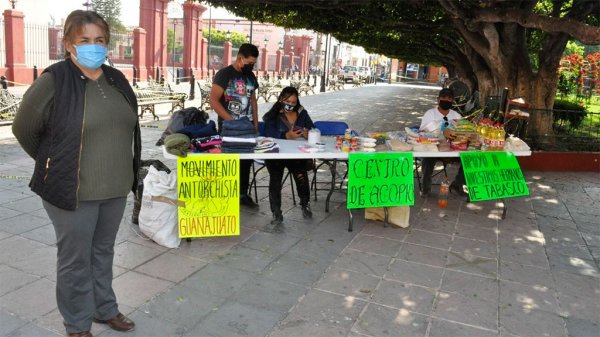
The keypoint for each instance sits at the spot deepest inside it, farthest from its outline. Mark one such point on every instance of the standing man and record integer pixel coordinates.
(233, 96)
(440, 117)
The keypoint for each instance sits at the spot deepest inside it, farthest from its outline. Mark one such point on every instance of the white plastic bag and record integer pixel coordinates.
(158, 214)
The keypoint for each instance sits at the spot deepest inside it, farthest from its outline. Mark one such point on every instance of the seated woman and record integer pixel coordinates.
(287, 119)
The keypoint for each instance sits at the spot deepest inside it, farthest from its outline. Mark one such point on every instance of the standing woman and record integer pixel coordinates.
(287, 119)
(78, 121)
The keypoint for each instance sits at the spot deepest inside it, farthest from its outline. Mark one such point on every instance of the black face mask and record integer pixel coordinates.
(288, 107)
(247, 68)
(445, 105)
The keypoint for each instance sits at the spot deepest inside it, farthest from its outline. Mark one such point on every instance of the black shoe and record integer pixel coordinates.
(277, 218)
(245, 200)
(306, 212)
(425, 192)
(458, 189)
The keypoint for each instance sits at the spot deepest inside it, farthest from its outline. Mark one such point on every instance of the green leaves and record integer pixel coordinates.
(410, 30)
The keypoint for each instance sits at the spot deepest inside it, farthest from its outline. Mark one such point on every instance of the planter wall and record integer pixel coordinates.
(561, 161)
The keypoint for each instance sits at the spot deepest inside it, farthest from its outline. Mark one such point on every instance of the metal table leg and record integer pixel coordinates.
(385, 217)
(332, 169)
(350, 220)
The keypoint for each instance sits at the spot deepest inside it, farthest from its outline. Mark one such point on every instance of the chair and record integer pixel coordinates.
(418, 164)
(259, 164)
(329, 128)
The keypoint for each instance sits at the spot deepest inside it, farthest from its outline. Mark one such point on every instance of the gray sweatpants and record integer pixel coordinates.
(85, 239)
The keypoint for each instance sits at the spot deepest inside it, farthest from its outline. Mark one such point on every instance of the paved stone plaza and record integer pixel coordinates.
(459, 271)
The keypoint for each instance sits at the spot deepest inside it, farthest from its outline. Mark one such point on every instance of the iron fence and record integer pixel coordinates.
(573, 130)
(120, 48)
(37, 46)
(44, 46)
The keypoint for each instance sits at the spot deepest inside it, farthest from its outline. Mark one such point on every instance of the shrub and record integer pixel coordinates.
(567, 111)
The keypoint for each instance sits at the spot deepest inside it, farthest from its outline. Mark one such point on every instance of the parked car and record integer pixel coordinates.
(364, 71)
(348, 73)
(365, 74)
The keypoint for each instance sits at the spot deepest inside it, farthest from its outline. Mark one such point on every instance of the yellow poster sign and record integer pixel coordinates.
(209, 187)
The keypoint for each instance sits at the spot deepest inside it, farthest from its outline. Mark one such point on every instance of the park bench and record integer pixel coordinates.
(303, 86)
(335, 84)
(204, 87)
(268, 89)
(358, 81)
(9, 104)
(156, 93)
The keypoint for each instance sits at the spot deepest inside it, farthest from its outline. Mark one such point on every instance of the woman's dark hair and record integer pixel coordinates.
(79, 18)
(285, 93)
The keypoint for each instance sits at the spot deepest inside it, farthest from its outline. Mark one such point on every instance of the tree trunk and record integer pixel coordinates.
(498, 55)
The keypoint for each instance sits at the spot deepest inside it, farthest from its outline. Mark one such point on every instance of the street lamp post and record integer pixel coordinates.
(209, 31)
(284, 65)
(325, 63)
(251, 24)
(173, 49)
(265, 56)
(279, 59)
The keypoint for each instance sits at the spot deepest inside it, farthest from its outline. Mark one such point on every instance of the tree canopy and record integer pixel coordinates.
(490, 44)
(111, 12)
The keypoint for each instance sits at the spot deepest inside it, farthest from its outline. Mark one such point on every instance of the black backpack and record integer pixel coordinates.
(181, 119)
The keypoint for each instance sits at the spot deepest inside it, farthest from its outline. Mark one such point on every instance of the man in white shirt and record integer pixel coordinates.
(440, 117)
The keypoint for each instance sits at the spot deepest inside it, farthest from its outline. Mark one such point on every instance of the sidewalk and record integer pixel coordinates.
(459, 271)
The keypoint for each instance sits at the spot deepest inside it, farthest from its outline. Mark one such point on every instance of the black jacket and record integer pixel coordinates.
(276, 128)
(56, 173)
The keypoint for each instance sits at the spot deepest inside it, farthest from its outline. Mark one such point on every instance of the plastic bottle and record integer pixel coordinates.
(501, 138)
(443, 195)
(493, 146)
(483, 133)
(314, 136)
(488, 135)
(478, 128)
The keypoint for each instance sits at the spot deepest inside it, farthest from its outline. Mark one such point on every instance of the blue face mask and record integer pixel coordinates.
(90, 56)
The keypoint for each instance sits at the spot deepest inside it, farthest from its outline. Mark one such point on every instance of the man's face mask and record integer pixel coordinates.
(247, 68)
(445, 105)
(90, 56)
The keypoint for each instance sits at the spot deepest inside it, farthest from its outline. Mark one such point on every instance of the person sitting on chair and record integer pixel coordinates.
(287, 119)
(442, 115)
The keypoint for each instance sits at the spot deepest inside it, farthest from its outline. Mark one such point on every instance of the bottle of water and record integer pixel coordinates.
(443, 195)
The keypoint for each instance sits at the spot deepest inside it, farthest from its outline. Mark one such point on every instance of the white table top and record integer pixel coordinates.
(289, 149)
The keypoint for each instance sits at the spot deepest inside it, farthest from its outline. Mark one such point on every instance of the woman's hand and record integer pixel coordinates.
(294, 133)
